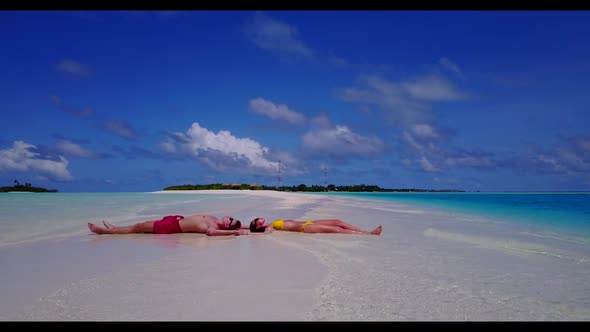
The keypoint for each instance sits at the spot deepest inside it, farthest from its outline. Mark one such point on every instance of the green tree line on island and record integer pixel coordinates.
(301, 187)
(27, 187)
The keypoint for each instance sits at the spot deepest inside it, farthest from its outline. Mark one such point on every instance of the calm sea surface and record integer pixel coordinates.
(567, 212)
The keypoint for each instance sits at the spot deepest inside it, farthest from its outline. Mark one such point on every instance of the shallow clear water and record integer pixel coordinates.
(564, 212)
(31, 216)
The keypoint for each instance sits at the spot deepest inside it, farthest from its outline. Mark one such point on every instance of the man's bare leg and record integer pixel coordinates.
(108, 224)
(142, 227)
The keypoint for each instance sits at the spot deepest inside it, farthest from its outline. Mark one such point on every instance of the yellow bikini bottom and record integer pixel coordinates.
(303, 226)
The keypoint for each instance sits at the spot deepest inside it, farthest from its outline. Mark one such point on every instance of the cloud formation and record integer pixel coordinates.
(70, 148)
(222, 151)
(22, 157)
(275, 111)
(340, 142)
(273, 35)
(572, 155)
(405, 102)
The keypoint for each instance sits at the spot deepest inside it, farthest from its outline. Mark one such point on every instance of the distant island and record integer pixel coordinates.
(301, 187)
(27, 187)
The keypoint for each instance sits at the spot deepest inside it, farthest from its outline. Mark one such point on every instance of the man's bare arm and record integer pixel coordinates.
(219, 232)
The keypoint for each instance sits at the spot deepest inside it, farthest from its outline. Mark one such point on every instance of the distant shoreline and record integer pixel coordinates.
(24, 189)
(337, 191)
(300, 188)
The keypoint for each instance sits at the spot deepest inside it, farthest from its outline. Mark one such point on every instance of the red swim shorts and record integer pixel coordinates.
(168, 225)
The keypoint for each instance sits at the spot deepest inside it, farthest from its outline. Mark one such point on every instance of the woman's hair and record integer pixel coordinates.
(253, 228)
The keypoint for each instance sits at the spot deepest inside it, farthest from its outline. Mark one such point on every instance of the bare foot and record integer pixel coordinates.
(377, 231)
(96, 229)
(108, 224)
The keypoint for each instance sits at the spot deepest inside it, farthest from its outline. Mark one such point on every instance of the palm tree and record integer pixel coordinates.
(16, 182)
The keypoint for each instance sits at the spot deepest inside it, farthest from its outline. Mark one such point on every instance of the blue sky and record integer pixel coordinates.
(141, 100)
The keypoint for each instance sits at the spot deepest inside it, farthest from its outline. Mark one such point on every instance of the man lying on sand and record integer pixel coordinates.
(198, 223)
(313, 226)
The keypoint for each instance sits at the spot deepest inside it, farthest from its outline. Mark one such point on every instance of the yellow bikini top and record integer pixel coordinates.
(278, 224)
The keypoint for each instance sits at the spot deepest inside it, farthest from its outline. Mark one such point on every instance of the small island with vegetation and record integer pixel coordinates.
(27, 187)
(301, 187)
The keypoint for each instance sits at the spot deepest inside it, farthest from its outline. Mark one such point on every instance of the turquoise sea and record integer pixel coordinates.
(563, 212)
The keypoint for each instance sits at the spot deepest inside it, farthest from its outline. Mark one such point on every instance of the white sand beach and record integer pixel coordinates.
(427, 265)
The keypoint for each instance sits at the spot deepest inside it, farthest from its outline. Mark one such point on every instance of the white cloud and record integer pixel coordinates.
(74, 68)
(340, 141)
(289, 164)
(224, 152)
(23, 158)
(425, 140)
(427, 165)
(425, 131)
(72, 149)
(406, 102)
(275, 112)
(274, 35)
(570, 156)
(321, 121)
(432, 88)
(168, 147)
(412, 142)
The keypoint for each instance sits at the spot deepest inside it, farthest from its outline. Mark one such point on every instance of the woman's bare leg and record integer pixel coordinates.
(142, 227)
(319, 228)
(339, 223)
(377, 231)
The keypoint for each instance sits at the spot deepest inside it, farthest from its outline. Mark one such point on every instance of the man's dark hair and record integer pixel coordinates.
(234, 224)
(253, 228)
(237, 225)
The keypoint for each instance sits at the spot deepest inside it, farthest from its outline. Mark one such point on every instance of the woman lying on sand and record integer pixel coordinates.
(258, 225)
